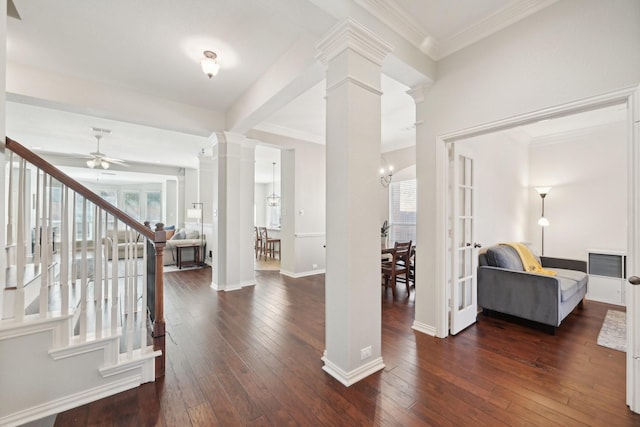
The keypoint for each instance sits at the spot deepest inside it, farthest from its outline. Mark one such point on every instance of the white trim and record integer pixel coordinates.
(302, 274)
(71, 401)
(352, 377)
(350, 34)
(393, 16)
(424, 328)
(316, 234)
(78, 347)
(356, 82)
(139, 361)
(510, 14)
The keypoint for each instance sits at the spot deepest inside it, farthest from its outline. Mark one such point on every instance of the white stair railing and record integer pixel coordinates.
(76, 264)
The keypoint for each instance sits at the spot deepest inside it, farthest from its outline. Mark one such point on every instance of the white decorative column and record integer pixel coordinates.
(353, 56)
(232, 211)
(431, 315)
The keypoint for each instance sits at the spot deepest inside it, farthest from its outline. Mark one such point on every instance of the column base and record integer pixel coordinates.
(349, 378)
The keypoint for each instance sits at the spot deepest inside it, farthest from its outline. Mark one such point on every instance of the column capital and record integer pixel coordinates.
(350, 34)
(418, 91)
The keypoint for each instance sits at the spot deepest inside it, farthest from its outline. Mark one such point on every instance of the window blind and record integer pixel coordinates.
(402, 210)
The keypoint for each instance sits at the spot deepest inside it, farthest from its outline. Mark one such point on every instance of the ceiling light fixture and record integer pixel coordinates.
(273, 199)
(209, 64)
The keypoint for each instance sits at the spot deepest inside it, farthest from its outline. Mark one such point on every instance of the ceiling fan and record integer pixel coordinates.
(98, 159)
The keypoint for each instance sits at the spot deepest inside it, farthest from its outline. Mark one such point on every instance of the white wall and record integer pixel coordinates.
(304, 213)
(261, 193)
(501, 208)
(587, 205)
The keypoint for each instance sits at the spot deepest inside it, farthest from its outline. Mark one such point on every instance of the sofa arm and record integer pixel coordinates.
(527, 295)
(567, 264)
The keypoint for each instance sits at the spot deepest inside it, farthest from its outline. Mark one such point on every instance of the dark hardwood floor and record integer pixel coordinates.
(252, 358)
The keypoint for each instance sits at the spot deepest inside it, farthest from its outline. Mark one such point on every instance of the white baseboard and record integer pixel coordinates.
(72, 401)
(302, 274)
(352, 377)
(424, 328)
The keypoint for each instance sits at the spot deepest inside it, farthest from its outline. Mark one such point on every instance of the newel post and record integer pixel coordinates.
(160, 240)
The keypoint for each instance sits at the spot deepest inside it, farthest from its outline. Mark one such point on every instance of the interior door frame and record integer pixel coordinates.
(629, 96)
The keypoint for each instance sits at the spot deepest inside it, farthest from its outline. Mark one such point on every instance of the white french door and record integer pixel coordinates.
(464, 300)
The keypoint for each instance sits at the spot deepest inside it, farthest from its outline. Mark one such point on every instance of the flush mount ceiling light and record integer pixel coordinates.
(209, 64)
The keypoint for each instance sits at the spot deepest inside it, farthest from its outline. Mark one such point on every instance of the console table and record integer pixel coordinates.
(190, 262)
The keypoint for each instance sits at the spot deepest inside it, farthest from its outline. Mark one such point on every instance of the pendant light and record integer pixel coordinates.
(273, 199)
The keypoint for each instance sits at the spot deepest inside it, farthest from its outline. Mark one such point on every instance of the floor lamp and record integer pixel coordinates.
(196, 213)
(543, 221)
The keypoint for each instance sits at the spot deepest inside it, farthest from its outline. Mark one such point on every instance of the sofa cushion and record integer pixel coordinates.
(570, 281)
(180, 235)
(503, 256)
(193, 235)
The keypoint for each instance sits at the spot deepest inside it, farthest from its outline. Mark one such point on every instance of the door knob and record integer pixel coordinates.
(634, 280)
(477, 245)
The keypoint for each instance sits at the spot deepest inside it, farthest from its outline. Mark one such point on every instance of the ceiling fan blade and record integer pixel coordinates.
(12, 11)
(115, 161)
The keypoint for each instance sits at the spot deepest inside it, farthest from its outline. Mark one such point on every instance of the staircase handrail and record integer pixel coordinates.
(65, 179)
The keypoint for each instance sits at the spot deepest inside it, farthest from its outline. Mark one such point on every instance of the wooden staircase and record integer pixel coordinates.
(75, 326)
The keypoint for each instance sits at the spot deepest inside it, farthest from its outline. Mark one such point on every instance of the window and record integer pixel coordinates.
(132, 204)
(402, 210)
(154, 207)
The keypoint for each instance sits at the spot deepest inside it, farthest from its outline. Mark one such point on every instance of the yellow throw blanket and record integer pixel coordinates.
(529, 261)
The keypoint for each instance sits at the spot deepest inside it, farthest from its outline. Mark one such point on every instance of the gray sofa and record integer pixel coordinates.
(505, 287)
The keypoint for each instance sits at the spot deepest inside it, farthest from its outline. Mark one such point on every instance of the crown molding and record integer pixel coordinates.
(350, 34)
(391, 14)
(510, 14)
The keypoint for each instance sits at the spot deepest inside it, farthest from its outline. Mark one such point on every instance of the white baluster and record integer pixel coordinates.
(143, 309)
(64, 252)
(45, 260)
(130, 293)
(36, 230)
(114, 278)
(97, 280)
(20, 244)
(49, 246)
(9, 235)
(74, 261)
(83, 273)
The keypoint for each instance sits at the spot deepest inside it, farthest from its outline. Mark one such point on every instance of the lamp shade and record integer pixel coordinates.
(543, 190)
(194, 213)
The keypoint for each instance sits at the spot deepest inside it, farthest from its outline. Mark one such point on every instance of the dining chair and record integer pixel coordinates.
(257, 246)
(269, 244)
(398, 265)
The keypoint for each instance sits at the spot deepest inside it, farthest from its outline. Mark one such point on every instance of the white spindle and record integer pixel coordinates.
(83, 273)
(130, 295)
(97, 280)
(20, 244)
(143, 309)
(114, 278)
(37, 232)
(64, 251)
(74, 261)
(49, 246)
(45, 259)
(9, 236)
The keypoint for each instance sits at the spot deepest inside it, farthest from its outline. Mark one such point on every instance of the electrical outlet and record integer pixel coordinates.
(314, 266)
(365, 353)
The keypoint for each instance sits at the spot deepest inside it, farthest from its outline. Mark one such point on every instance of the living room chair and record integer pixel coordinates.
(398, 265)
